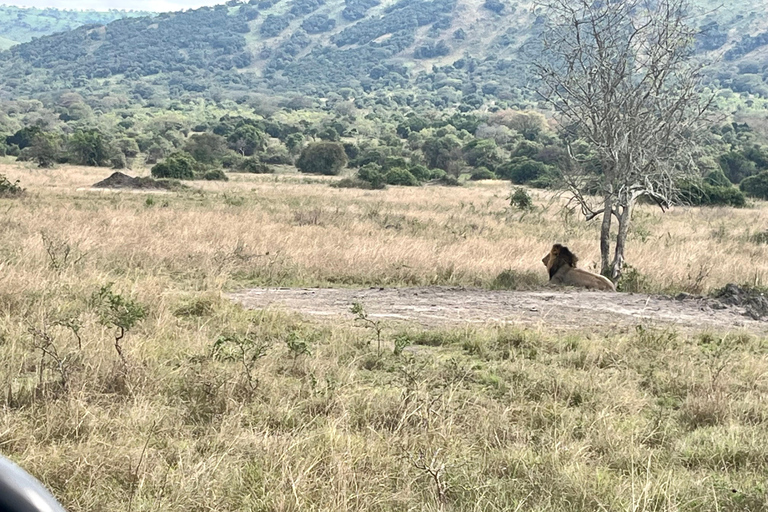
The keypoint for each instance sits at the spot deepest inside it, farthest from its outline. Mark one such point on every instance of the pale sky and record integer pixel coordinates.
(105, 5)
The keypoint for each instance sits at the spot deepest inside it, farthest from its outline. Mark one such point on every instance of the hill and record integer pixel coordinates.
(22, 24)
(448, 51)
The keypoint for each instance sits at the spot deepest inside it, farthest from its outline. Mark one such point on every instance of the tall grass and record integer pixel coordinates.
(217, 408)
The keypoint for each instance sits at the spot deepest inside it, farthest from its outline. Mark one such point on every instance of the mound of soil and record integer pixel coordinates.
(754, 302)
(119, 180)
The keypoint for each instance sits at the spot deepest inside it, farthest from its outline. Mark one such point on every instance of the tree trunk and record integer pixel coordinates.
(605, 236)
(618, 259)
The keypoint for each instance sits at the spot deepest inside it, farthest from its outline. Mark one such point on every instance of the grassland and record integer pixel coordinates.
(212, 407)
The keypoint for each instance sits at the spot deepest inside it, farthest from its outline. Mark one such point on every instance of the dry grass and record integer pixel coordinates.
(224, 409)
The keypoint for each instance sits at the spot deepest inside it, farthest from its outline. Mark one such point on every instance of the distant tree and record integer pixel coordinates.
(90, 147)
(180, 166)
(736, 166)
(322, 158)
(206, 148)
(45, 149)
(23, 138)
(619, 75)
(756, 186)
(246, 139)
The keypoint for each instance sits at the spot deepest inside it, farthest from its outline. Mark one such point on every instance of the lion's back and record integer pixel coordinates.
(585, 279)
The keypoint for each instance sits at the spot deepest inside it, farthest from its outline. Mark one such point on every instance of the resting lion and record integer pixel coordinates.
(561, 264)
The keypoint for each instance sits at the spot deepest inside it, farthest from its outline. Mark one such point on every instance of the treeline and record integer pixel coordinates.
(392, 144)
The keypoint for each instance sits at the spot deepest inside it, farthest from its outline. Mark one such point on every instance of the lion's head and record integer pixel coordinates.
(559, 255)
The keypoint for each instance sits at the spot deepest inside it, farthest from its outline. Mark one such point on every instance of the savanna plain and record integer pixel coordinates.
(130, 382)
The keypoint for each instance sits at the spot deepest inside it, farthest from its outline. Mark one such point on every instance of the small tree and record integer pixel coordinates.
(90, 147)
(322, 158)
(619, 76)
(180, 166)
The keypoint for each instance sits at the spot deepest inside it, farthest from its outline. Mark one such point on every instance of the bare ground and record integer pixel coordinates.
(559, 309)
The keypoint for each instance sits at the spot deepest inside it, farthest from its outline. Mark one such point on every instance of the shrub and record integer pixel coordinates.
(371, 173)
(522, 170)
(179, 166)
(736, 166)
(322, 158)
(449, 181)
(482, 173)
(358, 183)
(756, 186)
(717, 178)
(400, 176)
(521, 199)
(215, 175)
(420, 172)
(253, 166)
(8, 188)
(437, 174)
(705, 194)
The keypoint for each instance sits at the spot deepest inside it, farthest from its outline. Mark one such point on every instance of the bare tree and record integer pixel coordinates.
(621, 77)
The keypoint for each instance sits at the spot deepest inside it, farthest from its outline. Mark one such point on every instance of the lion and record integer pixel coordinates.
(561, 264)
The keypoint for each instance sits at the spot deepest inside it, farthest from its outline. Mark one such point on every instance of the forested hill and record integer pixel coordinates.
(21, 24)
(446, 51)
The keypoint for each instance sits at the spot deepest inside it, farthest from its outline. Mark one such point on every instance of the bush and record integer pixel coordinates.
(705, 194)
(8, 188)
(482, 173)
(253, 166)
(357, 183)
(322, 158)
(437, 174)
(736, 166)
(756, 186)
(717, 178)
(521, 199)
(449, 181)
(400, 176)
(371, 173)
(179, 166)
(420, 172)
(522, 170)
(215, 175)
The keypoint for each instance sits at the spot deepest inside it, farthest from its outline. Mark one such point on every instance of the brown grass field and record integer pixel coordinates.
(216, 408)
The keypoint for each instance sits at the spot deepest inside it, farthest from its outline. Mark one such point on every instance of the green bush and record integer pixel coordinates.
(756, 186)
(215, 175)
(371, 173)
(437, 174)
(705, 194)
(522, 170)
(717, 178)
(736, 166)
(253, 166)
(399, 176)
(322, 158)
(420, 172)
(449, 181)
(482, 173)
(521, 199)
(180, 166)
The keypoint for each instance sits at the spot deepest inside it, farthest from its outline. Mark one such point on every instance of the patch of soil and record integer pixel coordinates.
(119, 180)
(561, 309)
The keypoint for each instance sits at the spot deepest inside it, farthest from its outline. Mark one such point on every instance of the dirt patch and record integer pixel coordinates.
(566, 309)
(119, 180)
(754, 302)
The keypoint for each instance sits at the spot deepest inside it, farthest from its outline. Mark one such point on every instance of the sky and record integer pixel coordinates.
(105, 5)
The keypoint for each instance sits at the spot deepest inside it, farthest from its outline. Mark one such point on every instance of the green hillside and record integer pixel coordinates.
(21, 24)
(445, 51)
